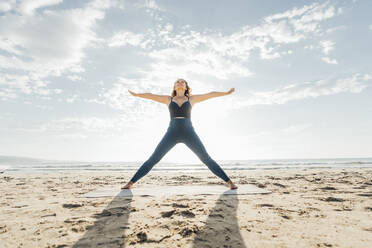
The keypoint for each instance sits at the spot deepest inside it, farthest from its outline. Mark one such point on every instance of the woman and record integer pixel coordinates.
(180, 130)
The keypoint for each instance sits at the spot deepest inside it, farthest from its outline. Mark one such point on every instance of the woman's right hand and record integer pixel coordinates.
(133, 94)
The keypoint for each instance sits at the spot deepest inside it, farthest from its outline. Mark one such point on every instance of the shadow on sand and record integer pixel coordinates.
(221, 228)
(110, 226)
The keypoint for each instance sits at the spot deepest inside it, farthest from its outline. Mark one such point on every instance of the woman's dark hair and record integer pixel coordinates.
(187, 91)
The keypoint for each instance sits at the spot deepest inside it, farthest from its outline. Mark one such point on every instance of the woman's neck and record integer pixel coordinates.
(180, 93)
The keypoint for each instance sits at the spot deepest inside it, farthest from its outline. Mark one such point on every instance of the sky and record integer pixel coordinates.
(301, 70)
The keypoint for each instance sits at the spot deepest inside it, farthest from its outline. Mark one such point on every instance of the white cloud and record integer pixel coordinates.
(6, 5)
(354, 84)
(210, 53)
(123, 38)
(9, 46)
(74, 77)
(329, 60)
(39, 47)
(7, 94)
(72, 99)
(151, 7)
(337, 28)
(307, 18)
(295, 129)
(21, 82)
(172, 62)
(86, 123)
(80, 127)
(294, 12)
(277, 132)
(28, 6)
(119, 98)
(71, 136)
(370, 27)
(91, 100)
(148, 4)
(367, 77)
(151, 4)
(327, 46)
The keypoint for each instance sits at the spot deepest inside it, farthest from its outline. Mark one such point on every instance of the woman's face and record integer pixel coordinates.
(180, 84)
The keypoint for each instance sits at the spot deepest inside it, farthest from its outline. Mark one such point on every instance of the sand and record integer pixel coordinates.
(307, 208)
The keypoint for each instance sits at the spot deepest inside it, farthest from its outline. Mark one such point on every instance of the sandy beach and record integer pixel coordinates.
(307, 208)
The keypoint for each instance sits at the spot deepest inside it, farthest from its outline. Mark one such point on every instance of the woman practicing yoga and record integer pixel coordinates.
(180, 130)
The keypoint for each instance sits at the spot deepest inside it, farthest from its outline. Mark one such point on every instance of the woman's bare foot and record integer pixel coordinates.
(129, 185)
(232, 185)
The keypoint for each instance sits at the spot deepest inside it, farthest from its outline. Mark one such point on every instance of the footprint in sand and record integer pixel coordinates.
(72, 205)
(167, 214)
(187, 214)
(176, 205)
(265, 205)
(328, 188)
(332, 199)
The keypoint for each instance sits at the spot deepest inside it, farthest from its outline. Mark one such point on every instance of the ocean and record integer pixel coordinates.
(10, 164)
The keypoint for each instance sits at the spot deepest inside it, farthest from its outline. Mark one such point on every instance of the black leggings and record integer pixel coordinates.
(180, 130)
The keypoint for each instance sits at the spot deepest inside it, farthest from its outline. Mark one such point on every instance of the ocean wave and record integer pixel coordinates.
(271, 164)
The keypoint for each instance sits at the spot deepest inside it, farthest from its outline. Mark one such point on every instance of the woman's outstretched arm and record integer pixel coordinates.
(158, 98)
(202, 97)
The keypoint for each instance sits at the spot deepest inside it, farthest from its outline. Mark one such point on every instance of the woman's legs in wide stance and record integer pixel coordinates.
(166, 143)
(195, 144)
(180, 130)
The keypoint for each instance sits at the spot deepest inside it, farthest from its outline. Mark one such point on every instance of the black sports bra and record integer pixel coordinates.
(177, 111)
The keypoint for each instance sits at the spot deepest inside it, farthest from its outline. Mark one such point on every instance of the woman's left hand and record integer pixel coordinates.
(231, 91)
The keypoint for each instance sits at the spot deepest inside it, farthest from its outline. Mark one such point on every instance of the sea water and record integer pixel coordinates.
(30, 165)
